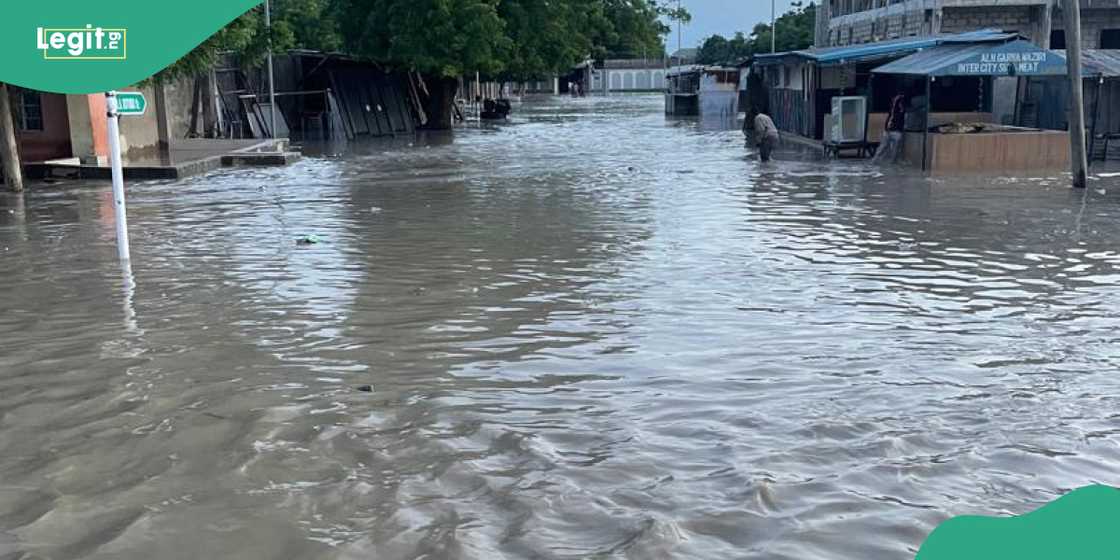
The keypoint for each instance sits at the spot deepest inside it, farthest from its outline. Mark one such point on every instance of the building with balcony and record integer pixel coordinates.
(853, 22)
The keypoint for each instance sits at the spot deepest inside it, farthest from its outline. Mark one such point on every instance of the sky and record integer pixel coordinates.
(724, 17)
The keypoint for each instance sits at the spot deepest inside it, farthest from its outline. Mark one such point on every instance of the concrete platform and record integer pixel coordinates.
(259, 159)
(185, 158)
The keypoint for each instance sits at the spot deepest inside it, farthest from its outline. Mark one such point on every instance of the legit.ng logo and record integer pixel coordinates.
(89, 43)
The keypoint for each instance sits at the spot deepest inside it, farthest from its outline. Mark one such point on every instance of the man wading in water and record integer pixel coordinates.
(765, 135)
(891, 145)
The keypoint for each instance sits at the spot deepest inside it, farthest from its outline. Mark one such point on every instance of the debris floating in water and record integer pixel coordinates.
(308, 239)
(365, 388)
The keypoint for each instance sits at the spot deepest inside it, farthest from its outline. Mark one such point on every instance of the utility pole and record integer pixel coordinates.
(271, 88)
(678, 31)
(1078, 161)
(773, 27)
(9, 152)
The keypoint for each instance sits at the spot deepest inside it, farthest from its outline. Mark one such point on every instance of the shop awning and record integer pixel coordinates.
(883, 49)
(1017, 58)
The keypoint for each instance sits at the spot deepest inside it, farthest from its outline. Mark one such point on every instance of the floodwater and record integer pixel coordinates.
(593, 332)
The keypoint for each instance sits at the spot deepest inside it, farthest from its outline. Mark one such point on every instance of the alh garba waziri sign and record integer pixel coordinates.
(1015, 58)
(1006, 63)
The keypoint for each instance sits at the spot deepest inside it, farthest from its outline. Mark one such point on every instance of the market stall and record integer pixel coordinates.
(941, 147)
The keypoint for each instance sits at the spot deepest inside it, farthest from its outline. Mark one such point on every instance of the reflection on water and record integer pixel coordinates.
(590, 332)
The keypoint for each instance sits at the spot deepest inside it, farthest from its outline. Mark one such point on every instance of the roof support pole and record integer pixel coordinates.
(925, 125)
(870, 105)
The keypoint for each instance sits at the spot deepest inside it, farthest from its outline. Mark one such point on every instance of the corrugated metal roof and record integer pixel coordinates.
(1104, 63)
(690, 68)
(1018, 58)
(884, 49)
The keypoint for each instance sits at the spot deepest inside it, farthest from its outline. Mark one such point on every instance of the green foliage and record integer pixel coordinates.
(628, 28)
(519, 39)
(243, 35)
(295, 23)
(795, 32)
(438, 37)
(543, 37)
(720, 50)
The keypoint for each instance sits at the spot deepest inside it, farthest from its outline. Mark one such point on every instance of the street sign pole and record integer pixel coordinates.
(118, 176)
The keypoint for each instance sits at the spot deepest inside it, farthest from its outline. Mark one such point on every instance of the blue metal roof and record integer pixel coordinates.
(1104, 63)
(1017, 58)
(883, 49)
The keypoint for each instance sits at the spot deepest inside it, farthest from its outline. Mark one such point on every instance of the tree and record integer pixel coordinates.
(720, 50)
(521, 39)
(445, 39)
(308, 24)
(795, 30)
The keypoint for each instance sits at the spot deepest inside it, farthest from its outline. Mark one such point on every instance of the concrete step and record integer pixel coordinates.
(260, 158)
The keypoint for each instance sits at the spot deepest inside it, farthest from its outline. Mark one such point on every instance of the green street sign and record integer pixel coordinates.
(131, 103)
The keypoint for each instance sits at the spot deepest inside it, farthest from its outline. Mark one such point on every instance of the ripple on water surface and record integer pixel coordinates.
(591, 332)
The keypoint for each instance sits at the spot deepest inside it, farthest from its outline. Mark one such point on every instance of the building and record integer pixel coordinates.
(800, 85)
(684, 57)
(710, 92)
(852, 22)
(52, 126)
(628, 76)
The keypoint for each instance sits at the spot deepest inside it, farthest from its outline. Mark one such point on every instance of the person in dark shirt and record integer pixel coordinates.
(891, 143)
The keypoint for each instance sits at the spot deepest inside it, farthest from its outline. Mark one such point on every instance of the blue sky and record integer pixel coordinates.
(721, 16)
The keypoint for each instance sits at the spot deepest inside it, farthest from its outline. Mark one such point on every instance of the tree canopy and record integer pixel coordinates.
(518, 39)
(795, 32)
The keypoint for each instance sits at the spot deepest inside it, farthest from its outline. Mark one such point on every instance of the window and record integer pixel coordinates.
(1110, 39)
(1058, 39)
(29, 110)
(785, 76)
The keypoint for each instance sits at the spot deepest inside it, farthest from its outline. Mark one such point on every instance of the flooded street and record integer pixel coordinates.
(593, 332)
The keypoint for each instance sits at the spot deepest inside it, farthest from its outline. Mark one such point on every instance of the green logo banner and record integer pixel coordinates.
(77, 46)
(1082, 525)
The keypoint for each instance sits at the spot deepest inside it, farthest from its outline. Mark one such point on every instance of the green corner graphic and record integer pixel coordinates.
(1082, 525)
(97, 46)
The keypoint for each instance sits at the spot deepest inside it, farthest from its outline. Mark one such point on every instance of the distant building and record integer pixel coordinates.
(852, 22)
(710, 92)
(628, 76)
(684, 57)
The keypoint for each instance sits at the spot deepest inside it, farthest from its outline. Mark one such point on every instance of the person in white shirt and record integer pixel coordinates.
(765, 135)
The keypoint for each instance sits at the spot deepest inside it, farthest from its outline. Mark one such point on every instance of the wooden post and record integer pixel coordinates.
(870, 106)
(925, 125)
(1096, 117)
(13, 175)
(1078, 164)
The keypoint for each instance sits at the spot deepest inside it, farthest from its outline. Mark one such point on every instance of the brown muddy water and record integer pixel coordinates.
(590, 333)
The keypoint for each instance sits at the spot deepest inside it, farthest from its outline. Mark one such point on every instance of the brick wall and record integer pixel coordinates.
(1008, 18)
(878, 28)
(1093, 21)
(908, 18)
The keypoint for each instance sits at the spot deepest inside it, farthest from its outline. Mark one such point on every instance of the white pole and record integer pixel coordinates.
(773, 27)
(271, 89)
(118, 175)
(678, 29)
